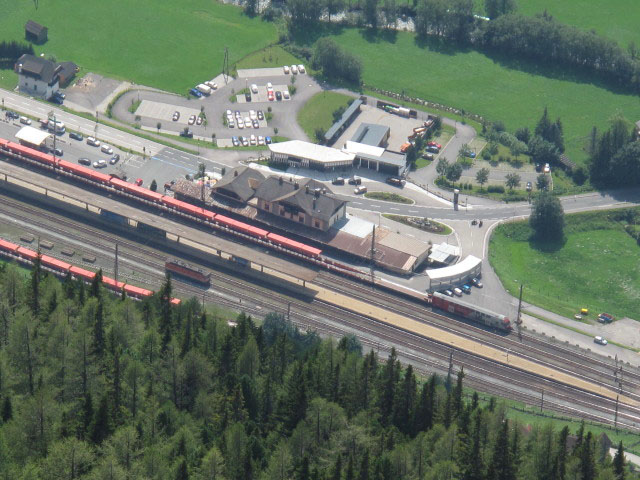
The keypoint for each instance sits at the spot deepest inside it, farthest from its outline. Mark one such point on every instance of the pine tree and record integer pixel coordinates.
(349, 475)
(457, 394)
(165, 311)
(560, 461)
(405, 402)
(587, 459)
(87, 415)
(7, 409)
(475, 466)
(94, 290)
(363, 474)
(101, 427)
(388, 382)
(304, 469)
(543, 128)
(182, 473)
(98, 331)
(295, 403)
(501, 466)
(36, 277)
(618, 462)
(337, 469)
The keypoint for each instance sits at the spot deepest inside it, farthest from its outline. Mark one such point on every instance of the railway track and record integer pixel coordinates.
(532, 347)
(326, 318)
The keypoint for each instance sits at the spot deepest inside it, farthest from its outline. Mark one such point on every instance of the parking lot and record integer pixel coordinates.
(400, 127)
(164, 111)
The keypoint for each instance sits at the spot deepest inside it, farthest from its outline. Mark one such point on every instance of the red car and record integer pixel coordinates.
(434, 144)
(270, 95)
(138, 182)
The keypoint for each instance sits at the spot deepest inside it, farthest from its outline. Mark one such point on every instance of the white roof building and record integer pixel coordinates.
(32, 136)
(455, 274)
(355, 148)
(310, 155)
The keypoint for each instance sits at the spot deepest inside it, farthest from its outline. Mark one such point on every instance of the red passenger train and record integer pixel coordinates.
(62, 268)
(30, 155)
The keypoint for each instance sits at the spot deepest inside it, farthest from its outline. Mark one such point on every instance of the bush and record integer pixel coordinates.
(495, 189)
(486, 155)
(335, 62)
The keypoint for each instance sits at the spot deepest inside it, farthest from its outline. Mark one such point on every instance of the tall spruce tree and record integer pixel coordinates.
(618, 462)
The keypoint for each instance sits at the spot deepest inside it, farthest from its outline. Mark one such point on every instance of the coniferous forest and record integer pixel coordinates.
(94, 386)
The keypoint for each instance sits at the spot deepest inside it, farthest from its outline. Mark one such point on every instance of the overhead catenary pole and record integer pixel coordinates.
(115, 266)
(519, 318)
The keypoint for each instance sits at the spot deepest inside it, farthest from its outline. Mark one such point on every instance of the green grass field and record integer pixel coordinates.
(272, 56)
(318, 111)
(499, 89)
(389, 197)
(164, 44)
(596, 268)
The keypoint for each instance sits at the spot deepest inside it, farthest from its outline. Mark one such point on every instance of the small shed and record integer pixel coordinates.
(34, 32)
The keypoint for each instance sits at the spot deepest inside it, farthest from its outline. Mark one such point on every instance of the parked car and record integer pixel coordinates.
(176, 116)
(600, 340)
(106, 149)
(76, 136)
(253, 140)
(428, 156)
(196, 93)
(93, 141)
(466, 288)
(25, 120)
(278, 95)
(192, 120)
(115, 159)
(285, 94)
(260, 140)
(255, 124)
(433, 149)
(301, 68)
(247, 96)
(605, 318)
(57, 100)
(529, 186)
(270, 96)
(355, 180)
(245, 141)
(294, 69)
(240, 123)
(58, 151)
(267, 140)
(254, 88)
(11, 115)
(338, 181)
(100, 164)
(269, 86)
(186, 133)
(235, 141)
(199, 120)
(448, 293)
(286, 69)
(457, 292)
(476, 282)
(434, 144)
(547, 168)
(84, 161)
(396, 182)
(60, 94)
(253, 115)
(231, 123)
(260, 115)
(138, 182)
(360, 189)
(247, 122)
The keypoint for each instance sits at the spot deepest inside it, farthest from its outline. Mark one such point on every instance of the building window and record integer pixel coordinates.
(316, 223)
(301, 219)
(282, 211)
(266, 207)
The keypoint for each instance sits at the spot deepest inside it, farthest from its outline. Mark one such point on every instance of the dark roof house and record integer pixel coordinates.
(309, 196)
(37, 68)
(66, 72)
(34, 32)
(240, 183)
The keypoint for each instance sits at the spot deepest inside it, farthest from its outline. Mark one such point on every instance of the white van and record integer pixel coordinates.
(360, 189)
(106, 149)
(202, 88)
(254, 88)
(25, 120)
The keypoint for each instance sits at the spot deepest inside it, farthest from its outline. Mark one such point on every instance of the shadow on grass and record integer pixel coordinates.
(378, 35)
(306, 36)
(441, 45)
(547, 246)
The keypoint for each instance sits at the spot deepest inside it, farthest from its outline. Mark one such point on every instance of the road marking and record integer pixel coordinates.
(414, 211)
(356, 203)
(395, 209)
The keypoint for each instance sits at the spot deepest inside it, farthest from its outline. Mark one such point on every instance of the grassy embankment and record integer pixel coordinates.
(317, 113)
(596, 268)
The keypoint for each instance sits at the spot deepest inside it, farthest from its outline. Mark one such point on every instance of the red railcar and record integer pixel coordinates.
(471, 312)
(137, 292)
(111, 284)
(26, 253)
(241, 226)
(82, 273)
(293, 245)
(8, 246)
(185, 270)
(176, 301)
(3, 143)
(141, 192)
(55, 263)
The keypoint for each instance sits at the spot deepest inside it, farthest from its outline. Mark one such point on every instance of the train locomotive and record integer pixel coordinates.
(471, 312)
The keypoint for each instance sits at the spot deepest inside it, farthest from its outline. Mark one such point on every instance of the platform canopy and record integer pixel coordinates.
(455, 274)
(32, 136)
